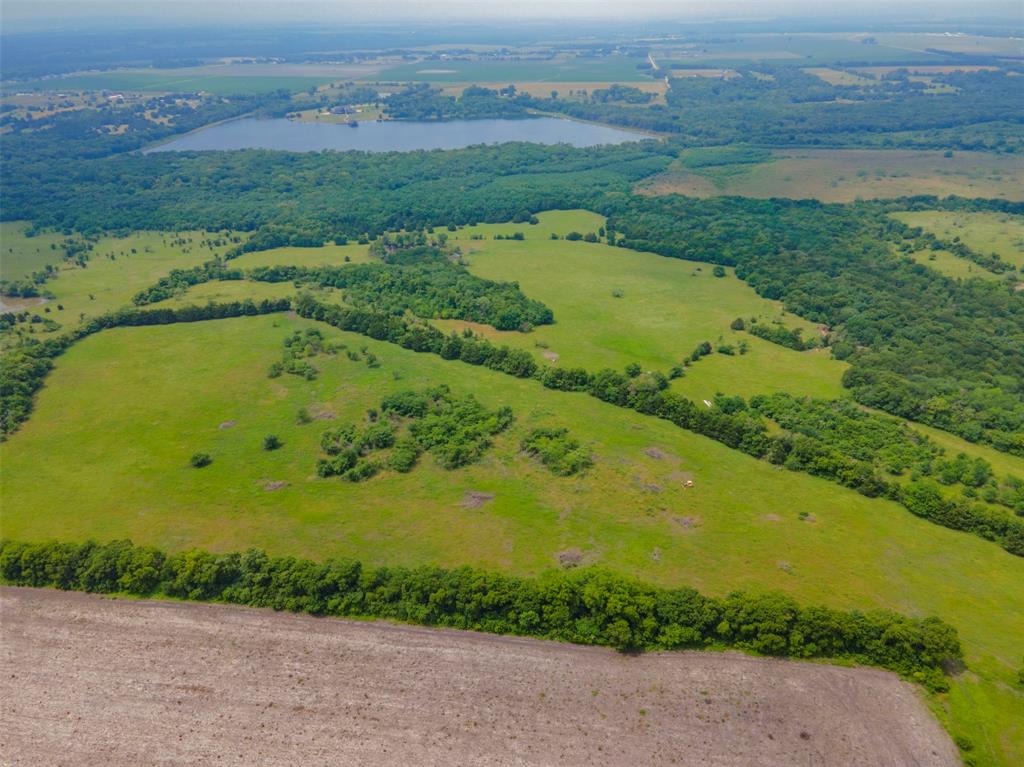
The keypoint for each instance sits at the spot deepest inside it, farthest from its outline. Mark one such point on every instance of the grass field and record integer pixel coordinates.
(178, 81)
(106, 455)
(804, 49)
(667, 307)
(563, 69)
(952, 266)
(105, 284)
(838, 76)
(21, 255)
(1000, 233)
(844, 175)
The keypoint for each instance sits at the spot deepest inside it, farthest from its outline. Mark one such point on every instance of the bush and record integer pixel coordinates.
(271, 442)
(557, 450)
(199, 460)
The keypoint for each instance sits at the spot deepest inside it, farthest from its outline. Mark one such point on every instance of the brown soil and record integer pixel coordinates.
(474, 499)
(688, 523)
(653, 452)
(227, 424)
(550, 355)
(91, 681)
(276, 484)
(570, 558)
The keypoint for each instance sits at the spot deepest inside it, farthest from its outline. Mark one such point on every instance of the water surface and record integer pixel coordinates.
(391, 136)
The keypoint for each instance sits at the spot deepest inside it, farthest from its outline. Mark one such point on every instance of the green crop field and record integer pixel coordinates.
(999, 233)
(178, 81)
(106, 455)
(562, 69)
(844, 175)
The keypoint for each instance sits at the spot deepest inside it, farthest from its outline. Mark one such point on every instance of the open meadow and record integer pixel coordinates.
(999, 233)
(844, 175)
(557, 69)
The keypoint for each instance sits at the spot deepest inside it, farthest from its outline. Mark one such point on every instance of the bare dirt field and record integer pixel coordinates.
(93, 681)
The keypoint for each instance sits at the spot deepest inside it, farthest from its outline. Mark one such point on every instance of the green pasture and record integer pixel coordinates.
(845, 175)
(21, 255)
(106, 455)
(177, 81)
(666, 308)
(562, 69)
(985, 232)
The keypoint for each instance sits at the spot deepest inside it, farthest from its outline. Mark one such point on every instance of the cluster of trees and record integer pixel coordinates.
(562, 454)
(421, 101)
(25, 365)
(457, 431)
(778, 333)
(425, 282)
(298, 347)
(179, 280)
(584, 606)
(627, 94)
(886, 443)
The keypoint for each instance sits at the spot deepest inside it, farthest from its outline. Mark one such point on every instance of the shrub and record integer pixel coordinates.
(199, 460)
(557, 450)
(271, 442)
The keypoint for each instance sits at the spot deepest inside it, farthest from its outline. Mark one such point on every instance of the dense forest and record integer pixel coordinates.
(587, 606)
(784, 106)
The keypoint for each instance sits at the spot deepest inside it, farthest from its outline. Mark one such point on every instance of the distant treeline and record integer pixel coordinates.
(584, 606)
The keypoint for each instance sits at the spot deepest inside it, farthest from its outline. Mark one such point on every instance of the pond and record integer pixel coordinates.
(392, 136)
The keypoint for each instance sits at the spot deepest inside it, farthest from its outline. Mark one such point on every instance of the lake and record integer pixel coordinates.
(392, 136)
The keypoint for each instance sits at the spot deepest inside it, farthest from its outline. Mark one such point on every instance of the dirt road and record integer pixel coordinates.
(93, 681)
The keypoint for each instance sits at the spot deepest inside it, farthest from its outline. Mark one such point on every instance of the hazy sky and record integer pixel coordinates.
(39, 12)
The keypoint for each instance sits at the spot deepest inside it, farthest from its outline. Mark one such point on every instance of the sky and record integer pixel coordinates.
(197, 12)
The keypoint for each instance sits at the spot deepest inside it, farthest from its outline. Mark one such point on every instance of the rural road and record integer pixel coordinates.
(94, 681)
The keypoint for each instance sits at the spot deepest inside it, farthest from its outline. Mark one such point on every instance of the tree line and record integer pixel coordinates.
(585, 606)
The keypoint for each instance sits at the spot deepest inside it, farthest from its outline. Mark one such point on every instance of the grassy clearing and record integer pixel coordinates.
(844, 175)
(838, 77)
(666, 308)
(564, 69)
(952, 265)
(21, 255)
(1000, 233)
(106, 455)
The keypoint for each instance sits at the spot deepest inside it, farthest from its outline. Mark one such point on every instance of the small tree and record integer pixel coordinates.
(738, 324)
(199, 460)
(718, 271)
(271, 442)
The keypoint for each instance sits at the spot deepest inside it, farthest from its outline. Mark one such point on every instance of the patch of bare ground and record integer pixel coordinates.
(227, 424)
(474, 499)
(92, 681)
(275, 484)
